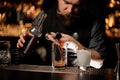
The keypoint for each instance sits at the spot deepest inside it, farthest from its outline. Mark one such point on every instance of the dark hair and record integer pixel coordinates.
(47, 4)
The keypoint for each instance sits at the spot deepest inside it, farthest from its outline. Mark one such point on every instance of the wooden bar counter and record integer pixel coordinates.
(37, 72)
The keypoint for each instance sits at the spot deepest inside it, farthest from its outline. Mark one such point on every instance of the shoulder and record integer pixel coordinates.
(93, 20)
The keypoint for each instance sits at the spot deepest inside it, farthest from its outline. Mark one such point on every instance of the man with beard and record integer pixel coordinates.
(76, 26)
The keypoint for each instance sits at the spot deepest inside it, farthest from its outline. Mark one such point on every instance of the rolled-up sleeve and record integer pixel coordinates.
(97, 43)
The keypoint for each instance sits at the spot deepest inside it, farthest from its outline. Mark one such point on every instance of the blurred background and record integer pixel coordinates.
(16, 17)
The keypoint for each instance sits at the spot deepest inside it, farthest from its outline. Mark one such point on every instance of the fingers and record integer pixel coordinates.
(51, 37)
(19, 44)
(28, 34)
(21, 40)
(65, 37)
(58, 37)
(53, 34)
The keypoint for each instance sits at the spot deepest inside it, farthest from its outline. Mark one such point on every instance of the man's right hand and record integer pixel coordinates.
(21, 40)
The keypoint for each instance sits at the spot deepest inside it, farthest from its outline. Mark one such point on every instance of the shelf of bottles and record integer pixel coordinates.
(16, 16)
(113, 19)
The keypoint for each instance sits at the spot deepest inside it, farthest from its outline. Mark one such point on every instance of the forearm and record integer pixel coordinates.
(96, 60)
(94, 54)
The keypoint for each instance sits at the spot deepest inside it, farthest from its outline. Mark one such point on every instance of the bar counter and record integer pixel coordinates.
(37, 72)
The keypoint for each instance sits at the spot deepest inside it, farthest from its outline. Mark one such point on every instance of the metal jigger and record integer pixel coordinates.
(118, 63)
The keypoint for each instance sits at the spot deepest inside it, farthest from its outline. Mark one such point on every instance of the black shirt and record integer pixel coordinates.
(89, 30)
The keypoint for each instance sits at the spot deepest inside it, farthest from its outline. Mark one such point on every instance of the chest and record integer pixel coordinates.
(79, 29)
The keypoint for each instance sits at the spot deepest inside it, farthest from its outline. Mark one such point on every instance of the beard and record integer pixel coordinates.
(68, 19)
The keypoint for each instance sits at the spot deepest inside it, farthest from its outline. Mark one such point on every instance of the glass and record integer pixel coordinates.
(59, 57)
(5, 56)
(83, 59)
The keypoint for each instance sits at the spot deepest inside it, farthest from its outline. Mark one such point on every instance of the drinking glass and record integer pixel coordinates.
(59, 57)
(83, 59)
(5, 56)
